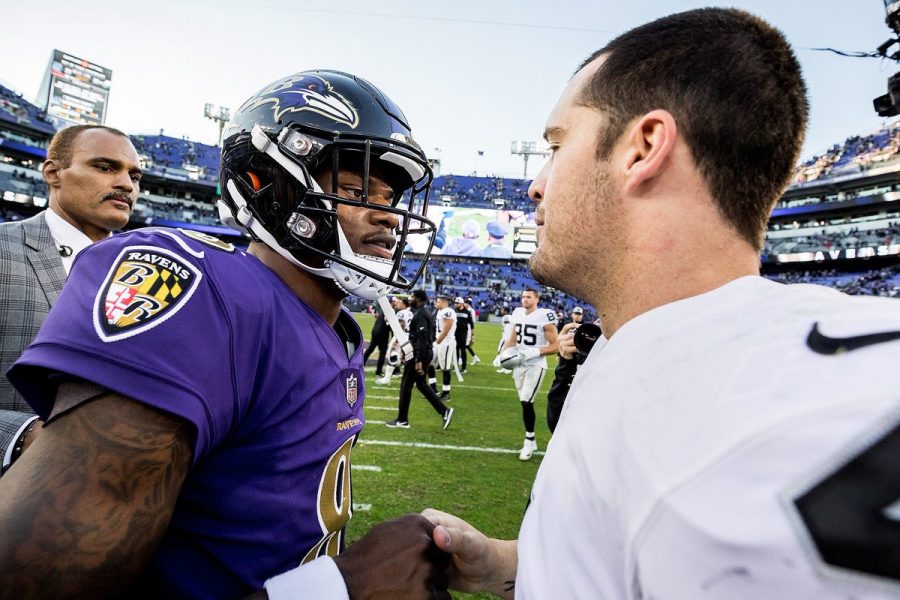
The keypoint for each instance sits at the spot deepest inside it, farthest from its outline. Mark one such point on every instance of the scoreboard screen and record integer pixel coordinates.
(75, 91)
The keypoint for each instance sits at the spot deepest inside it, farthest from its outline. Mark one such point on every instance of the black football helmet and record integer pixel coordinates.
(294, 129)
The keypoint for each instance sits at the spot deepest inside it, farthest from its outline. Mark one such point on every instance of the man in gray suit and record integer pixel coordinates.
(92, 173)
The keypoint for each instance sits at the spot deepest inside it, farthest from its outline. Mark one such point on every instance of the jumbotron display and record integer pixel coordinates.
(482, 232)
(75, 91)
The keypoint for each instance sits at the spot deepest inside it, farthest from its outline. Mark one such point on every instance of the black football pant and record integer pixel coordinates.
(412, 378)
(379, 341)
(461, 353)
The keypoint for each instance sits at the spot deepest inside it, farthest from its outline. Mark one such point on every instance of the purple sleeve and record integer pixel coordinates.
(140, 317)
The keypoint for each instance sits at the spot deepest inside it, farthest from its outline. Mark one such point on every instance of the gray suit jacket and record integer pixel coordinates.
(31, 277)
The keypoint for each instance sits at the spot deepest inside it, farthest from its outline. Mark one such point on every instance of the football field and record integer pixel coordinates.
(471, 470)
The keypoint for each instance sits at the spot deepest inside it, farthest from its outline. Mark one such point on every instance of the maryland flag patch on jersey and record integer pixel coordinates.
(145, 286)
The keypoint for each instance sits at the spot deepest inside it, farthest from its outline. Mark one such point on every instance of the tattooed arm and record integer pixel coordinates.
(82, 511)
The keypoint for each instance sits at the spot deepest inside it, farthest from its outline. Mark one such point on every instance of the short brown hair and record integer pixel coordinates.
(60, 149)
(733, 85)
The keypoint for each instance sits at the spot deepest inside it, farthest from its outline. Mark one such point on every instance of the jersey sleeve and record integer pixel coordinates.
(138, 316)
(551, 318)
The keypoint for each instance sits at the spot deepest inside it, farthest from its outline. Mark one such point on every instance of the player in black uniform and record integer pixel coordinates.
(378, 341)
(463, 329)
(421, 336)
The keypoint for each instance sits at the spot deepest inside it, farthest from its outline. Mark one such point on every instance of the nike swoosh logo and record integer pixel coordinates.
(822, 344)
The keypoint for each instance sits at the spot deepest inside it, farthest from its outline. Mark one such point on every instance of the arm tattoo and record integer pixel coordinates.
(82, 511)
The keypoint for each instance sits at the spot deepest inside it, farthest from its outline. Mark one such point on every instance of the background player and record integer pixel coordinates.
(378, 340)
(532, 338)
(183, 381)
(464, 323)
(506, 323)
(445, 342)
(470, 340)
(421, 336)
(395, 354)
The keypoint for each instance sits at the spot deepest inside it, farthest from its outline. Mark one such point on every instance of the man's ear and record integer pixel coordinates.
(649, 143)
(50, 172)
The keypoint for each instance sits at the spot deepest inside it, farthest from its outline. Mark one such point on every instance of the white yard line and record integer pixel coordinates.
(362, 507)
(373, 468)
(442, 446)
(462, 386)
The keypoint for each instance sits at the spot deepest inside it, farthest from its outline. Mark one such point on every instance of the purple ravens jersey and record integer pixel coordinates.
(191, 326)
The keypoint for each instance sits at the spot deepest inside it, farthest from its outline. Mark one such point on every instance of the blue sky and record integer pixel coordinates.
(470, 75)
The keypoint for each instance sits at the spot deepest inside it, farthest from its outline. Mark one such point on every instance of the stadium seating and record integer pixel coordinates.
(481, 192)
(857, 154)
(15, 109)
(878, 282)
(496, 286)
(179, 159)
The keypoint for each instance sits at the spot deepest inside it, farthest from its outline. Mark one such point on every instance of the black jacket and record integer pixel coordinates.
(421, 334)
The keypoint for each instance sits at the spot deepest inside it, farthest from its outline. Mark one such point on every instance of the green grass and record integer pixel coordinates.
(487, 489)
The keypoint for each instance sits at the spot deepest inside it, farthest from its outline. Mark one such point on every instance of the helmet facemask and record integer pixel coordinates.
(300, 220)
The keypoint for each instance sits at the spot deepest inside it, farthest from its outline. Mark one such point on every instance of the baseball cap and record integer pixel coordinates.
(459, 300)
(497, 230)
(577, 310)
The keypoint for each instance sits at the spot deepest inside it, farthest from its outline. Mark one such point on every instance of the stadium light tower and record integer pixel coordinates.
(526, 149)
(219, 114)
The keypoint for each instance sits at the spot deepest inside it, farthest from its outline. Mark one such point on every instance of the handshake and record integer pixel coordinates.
(413, 556)
(513, 358)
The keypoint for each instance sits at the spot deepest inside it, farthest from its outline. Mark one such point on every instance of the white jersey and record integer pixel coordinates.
(506, 321)
(445, 313)
(530, 331)
(404, 315)
(703, 453)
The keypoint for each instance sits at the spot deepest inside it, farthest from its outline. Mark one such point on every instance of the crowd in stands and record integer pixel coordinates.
(15, 109)
(880, 282)
(835, 240)
(495, 287)
(174, 158)
(22, 182)
(482, 192)
(857, 154)
(181, 211)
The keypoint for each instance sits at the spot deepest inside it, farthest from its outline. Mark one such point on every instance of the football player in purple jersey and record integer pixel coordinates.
(201, 402)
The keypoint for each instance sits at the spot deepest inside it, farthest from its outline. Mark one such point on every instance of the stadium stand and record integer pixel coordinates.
(177, 159)
(16, 110)
(482, 192)
(857, 155)
(837, 223)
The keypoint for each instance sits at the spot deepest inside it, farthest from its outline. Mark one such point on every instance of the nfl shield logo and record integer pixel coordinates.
(352, 388)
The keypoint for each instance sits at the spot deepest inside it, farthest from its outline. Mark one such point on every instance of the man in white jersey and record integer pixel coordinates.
(404, 316)
(506, 323)
(445, 341)
(733, 438)
(533, 336)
